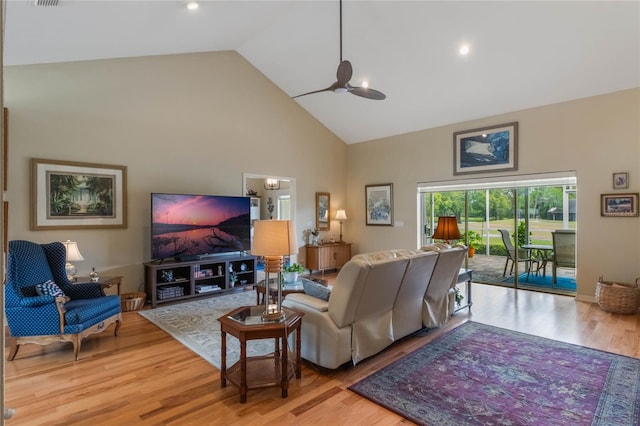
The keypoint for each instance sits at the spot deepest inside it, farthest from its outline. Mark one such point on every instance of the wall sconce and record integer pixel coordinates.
(271, 184)
(341, 215)
(447, 229)
(73, 255)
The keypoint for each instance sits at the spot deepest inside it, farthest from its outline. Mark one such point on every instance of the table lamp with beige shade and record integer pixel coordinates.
(341, 216)
(273, 239)
(73, 255)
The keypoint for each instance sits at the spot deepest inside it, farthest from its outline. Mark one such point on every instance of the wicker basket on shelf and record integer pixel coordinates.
(618, 298)
(132, 301)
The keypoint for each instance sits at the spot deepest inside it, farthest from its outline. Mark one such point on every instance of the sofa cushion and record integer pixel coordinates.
(49, 288)
(315, 289)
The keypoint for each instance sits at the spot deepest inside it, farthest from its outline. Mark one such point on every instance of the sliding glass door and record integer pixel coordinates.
(510, 224)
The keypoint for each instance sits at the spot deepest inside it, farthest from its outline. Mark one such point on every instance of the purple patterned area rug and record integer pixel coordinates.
(477, 374)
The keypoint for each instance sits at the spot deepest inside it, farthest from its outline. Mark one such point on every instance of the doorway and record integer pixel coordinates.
(275, 201)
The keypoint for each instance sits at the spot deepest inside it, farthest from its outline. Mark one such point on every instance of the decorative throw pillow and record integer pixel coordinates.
(315, 289)
(49, 288)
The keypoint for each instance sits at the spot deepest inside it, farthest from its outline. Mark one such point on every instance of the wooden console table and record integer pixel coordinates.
(327, 256)
(276, 369)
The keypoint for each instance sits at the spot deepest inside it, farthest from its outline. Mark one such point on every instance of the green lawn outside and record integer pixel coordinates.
(540, 229)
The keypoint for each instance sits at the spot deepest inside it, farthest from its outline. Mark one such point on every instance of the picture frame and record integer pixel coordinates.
(5, 226)
(486, 149)
(5, 149)
(323, 207)
(619, 205)
(68, 194)
(379, 204)
(621, 180)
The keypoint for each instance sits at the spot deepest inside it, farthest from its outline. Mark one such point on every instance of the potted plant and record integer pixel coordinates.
(474, 240)
(291, 272)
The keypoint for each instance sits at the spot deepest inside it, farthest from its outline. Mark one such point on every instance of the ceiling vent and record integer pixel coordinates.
(46, 2)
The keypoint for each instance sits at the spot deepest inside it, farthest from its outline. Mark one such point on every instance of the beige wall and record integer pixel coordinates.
(194, 123)
(595, 137)
(189, 123)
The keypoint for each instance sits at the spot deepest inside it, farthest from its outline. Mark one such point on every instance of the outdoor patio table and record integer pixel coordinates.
(543, 251)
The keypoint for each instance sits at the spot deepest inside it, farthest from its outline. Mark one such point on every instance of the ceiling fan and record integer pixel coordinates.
(343, 76)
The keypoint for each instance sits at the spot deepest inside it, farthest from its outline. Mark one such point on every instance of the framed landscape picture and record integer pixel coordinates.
(487, 149)
(379, 204)
(67, 194)
(624, 205)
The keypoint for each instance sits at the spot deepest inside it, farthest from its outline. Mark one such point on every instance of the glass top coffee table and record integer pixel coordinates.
(245, 323)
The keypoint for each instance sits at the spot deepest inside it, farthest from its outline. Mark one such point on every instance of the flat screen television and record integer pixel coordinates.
(188, 227)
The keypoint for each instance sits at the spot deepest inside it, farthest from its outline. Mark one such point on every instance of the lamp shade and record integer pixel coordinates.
(73, 253)
(447, 229)
(341, 215)
(274, 238)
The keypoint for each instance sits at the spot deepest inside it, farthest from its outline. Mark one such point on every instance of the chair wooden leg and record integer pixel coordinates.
(118, 322)
(77, 341)
(13, 348)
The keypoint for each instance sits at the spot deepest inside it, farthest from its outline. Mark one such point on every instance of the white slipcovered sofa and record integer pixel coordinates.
(377, 298)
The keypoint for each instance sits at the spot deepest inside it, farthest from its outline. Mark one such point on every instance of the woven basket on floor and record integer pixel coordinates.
(618, 298)
(132, 301)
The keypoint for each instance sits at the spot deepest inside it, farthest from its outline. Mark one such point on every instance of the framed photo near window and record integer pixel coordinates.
(487, 149)
(67, 195)
(623, 205)
(620, 180)
(323, 206)
(379, 204)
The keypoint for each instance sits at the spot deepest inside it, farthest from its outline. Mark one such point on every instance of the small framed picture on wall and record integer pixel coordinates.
(620, 180)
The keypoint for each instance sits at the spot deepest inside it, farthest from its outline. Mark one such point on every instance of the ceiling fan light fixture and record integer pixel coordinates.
(341, 90)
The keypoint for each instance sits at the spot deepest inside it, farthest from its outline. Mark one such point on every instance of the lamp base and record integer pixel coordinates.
(273, 312)
(272, 316)
(71, 272)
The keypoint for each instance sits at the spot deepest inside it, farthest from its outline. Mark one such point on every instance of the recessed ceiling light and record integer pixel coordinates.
(464, 49)
(192, 5)
(365, 84)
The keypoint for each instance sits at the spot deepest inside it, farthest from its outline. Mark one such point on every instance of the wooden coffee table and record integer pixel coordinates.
(245, 324)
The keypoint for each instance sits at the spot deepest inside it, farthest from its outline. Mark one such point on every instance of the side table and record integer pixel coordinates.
(288, 288)
(464, 276)
(105, 282)
(245, 323)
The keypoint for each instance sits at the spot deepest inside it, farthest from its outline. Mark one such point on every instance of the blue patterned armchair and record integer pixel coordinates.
(38, 312)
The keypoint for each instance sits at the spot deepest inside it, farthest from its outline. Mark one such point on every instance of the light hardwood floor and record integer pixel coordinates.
(143, 376)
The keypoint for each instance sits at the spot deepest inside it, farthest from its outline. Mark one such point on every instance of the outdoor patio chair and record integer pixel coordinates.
(523, 255)
(43, 307)
(564, 250)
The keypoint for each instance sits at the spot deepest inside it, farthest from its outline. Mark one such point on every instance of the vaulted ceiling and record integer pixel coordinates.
(522, 54)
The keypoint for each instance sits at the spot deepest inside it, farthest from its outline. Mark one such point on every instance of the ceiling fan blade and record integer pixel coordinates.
(328, 89)
(368, 93)
(345, 71)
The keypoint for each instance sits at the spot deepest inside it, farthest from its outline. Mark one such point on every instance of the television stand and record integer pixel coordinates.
(171, 281)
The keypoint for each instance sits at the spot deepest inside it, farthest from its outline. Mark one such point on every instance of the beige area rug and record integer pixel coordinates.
(195, 325)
